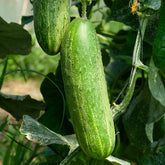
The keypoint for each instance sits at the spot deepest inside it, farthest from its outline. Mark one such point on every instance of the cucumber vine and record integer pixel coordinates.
(117, 110)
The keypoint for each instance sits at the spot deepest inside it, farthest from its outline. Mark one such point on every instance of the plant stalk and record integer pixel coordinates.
(84, 9)
(117, 110)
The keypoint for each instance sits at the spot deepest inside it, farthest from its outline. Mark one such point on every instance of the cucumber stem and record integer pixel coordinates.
(84, 9)
(117, 110)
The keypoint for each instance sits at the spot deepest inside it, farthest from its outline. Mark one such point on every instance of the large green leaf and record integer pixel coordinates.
(114, 71)
(3, 124)
(76, 157)
(158, 49)
(56, 114)
(18, 106)
(152, 4)
(142, 112)
(14, 39)
(72, 140)
(156, 85)
(108, 3)
(105, 56)
(117, 72)
(149, 131)
(38, 133)
(153, 159)
(159, 129)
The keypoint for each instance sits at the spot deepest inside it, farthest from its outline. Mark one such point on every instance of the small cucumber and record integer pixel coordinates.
(86, 89)
(51, 18)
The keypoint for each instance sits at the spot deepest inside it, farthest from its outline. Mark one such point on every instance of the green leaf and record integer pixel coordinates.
(14, 39)
(149, 131)
(156, 85)
(152, 4)
(158, 49)
(3, 124)
(109, 3)
(38, 133)
(26, 19)
(159, 129)
(105, 56)
(61, 151)
(76, 157)
(143, 109)
(50, 156)
(112, 69)
(18, 106)
(56, 113)
(72, 140)
(153, 159)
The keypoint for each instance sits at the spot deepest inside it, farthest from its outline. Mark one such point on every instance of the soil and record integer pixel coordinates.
(21, 87)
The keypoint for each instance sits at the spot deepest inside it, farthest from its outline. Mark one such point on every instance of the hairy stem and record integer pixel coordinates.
(84, 9)
(117, 110)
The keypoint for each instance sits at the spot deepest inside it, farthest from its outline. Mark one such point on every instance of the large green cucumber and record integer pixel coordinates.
(86, 90)
(51, 18)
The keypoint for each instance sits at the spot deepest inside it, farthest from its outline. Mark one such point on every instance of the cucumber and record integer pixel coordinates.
(86, 89)
(51, 18)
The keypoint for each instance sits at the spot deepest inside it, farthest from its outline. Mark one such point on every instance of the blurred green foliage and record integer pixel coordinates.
(140, 130)
(37, 60)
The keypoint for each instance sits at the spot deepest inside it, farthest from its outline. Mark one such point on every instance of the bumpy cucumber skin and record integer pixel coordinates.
(86, 90)
(51, 18)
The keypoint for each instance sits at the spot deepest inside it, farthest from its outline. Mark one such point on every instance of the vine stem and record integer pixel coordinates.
(84, 9)
(117, 110)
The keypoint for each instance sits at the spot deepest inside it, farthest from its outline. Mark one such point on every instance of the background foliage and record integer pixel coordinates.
(140, 129)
